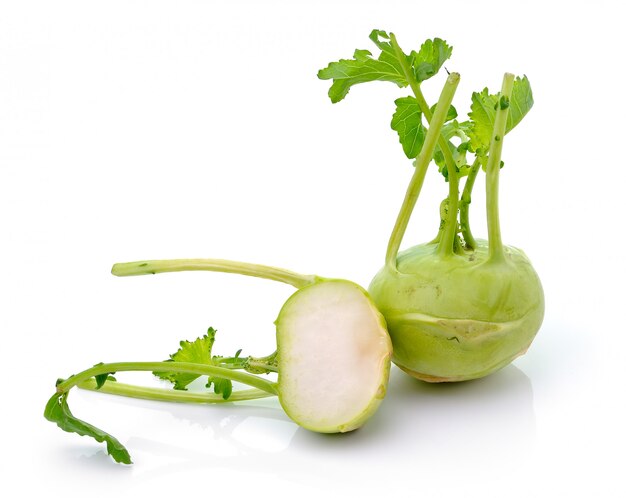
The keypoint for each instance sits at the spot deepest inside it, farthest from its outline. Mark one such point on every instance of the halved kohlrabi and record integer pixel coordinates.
(334, 356)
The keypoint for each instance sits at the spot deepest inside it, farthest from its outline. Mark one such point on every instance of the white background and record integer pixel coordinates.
(149, 129)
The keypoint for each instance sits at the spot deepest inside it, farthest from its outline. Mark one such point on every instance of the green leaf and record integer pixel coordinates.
(452, 114)
(460, 160)
(58, 411)
(456, 129)
(428, 61)
(440, 161)
(459, 153)
(407, 121)
(198, 351)
(363, 68)
(102, 378)
(221, 386)
(483, 112)
(521, 102)
(482, 115)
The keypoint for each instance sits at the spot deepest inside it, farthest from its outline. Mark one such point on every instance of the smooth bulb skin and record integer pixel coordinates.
(458, 317)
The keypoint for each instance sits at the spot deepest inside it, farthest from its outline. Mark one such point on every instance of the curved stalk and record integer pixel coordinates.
(168, 366)
(466, 199)
(496, 249)
(217, 265)
(170, 395)
(421, 165)
(58, 411)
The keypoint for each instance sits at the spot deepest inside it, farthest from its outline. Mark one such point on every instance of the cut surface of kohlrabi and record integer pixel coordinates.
(334, 356)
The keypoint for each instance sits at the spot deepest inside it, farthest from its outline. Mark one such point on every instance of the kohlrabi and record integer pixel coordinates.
(457, 308)
(332, 358)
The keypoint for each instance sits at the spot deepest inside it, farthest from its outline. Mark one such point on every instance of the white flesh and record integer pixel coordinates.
(334, 356)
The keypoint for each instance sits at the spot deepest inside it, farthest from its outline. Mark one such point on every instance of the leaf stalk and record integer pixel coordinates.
(421, 166)
(170, 395)
(446, 243)
(165, 366)
(496, 248)
(464, 205)
(151, 267)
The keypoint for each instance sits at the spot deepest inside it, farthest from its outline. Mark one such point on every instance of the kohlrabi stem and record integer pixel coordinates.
(262, 364)
(169, 366)
(421, 165)
(496, 249)
(217, 265)
(413, 83)
(466, 199)
(446, 243)
(159, 394)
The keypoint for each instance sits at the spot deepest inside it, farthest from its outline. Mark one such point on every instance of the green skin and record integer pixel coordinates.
(458, 313)
(461, 317)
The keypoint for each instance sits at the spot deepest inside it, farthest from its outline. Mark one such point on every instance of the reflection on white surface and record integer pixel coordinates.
(419, 425)
(263, 434)
(452, 427)
(487, 414)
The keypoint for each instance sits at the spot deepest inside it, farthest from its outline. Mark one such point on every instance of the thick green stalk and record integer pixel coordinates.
(217, 265)
(466, 199)
(168, 366)
(496, 249)
(449, 235)
(446, 242)
(421, 165)
(159, 394)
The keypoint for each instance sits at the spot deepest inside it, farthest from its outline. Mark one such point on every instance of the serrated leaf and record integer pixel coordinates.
(483, 112)
(482, 116)
(58, 411)
(198, 351)
(407, 121)
(521, 102)
(431, 56)
(363, 68)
